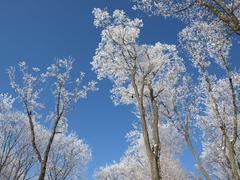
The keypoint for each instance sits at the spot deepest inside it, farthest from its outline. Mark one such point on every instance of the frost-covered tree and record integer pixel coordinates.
(134, 163)
(208, 39)
(140, 74)
(180, 108)
(224, 13)
(221, 127)
(219, 118)
(16, 155)
(30, 85)
(68, 156)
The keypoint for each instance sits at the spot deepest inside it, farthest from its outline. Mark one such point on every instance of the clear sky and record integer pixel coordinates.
(40, 31)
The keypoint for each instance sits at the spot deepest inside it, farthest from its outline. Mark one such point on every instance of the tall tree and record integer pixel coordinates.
(140, 73)
(208, 37)
(220, 93)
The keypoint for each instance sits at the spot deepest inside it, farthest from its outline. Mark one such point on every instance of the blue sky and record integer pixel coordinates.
(40, 31)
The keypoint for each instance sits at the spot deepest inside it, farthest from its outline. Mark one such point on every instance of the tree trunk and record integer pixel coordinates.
(229, 145)
(155, 169)
(196, 157)
(152, 158)
(43, 171)
(47, 151)
(226, 15)
(232, 159)
(153, 161)
(156, 147)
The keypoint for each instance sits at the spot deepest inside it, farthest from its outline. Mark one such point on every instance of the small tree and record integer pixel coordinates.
(134, 163)
(65, 94)
(16, 155)
(68, 158)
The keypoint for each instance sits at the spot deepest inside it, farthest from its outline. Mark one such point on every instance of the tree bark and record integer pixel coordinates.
(49, 145)
(232, 159)
(196, 157)
(156, 149)
(153, 161)
(229, 144)
(226, 15)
